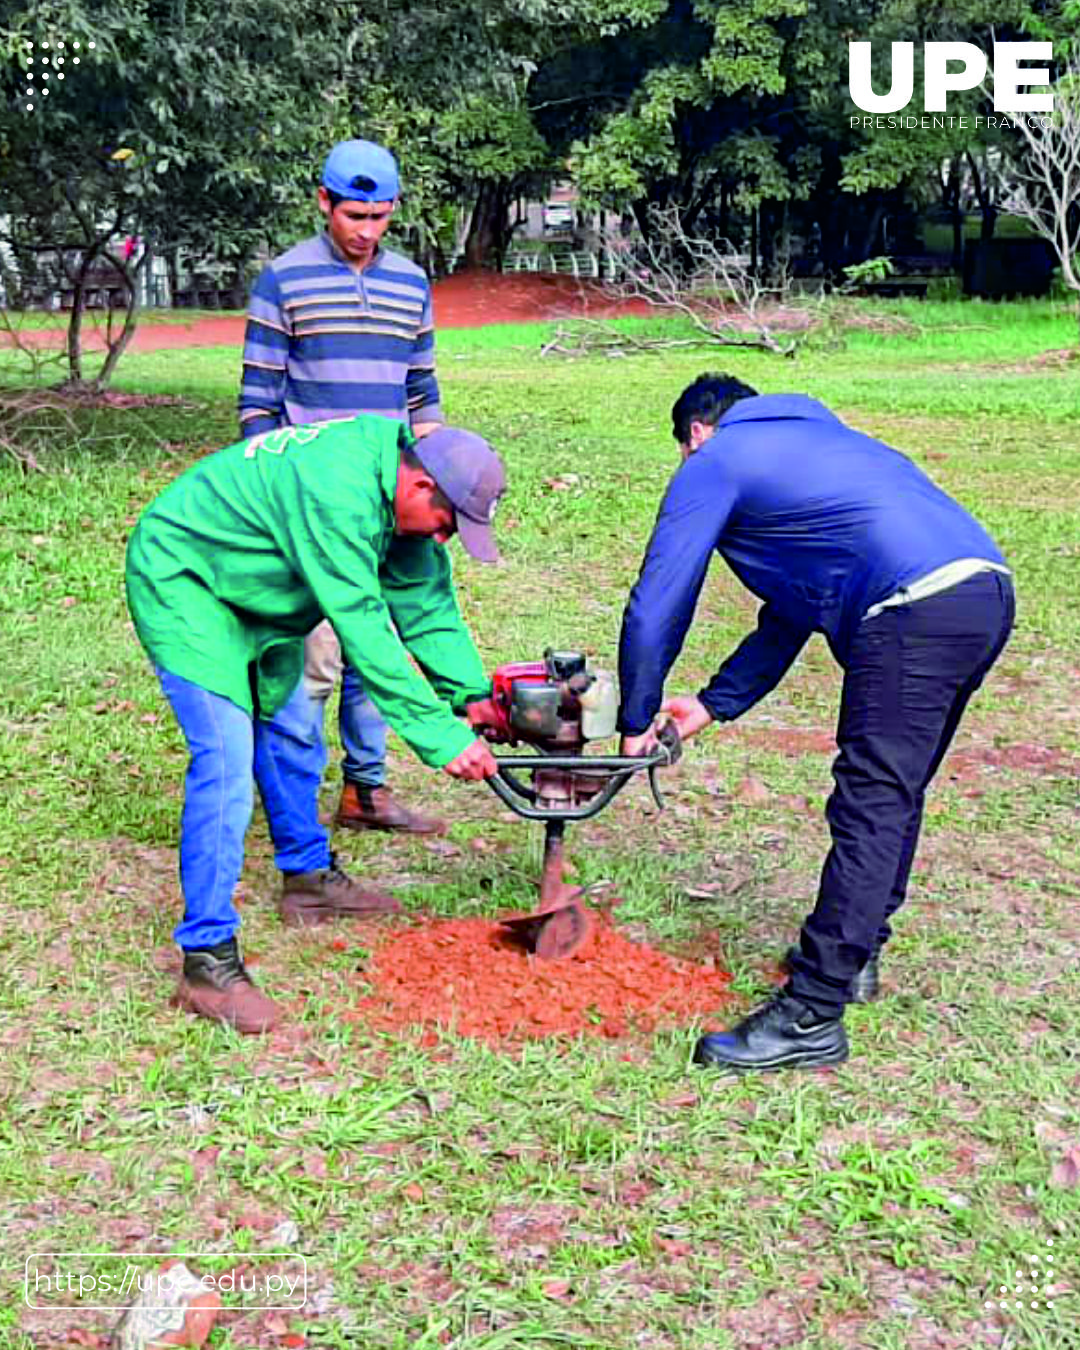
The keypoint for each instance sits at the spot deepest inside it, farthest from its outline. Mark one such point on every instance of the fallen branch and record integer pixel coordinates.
(828, 318)
(590, 337)
(712, 287)
(30, 417)
(17, 430)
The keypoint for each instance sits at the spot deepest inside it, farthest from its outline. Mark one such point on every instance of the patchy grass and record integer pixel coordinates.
(584, 1194)
(36, 319)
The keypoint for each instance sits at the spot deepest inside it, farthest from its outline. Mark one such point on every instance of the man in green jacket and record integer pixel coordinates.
(227, 571)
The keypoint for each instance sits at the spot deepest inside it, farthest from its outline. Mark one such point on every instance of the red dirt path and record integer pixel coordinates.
(467, 300)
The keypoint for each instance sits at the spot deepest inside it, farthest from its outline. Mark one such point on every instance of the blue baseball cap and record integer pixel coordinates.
(361, 171)
(472, 478)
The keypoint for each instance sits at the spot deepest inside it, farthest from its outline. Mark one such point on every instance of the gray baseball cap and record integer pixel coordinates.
(472, 477)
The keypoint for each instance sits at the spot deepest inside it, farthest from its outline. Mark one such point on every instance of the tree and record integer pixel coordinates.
(481, 154)
(739, 115)
(171, 128)
(675, 114)
(201, 128)
(456, 111)
(1040, 178)
(62, 234)
(733, 113)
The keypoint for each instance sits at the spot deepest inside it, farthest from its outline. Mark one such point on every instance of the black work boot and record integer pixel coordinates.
(215, 984)
(865, 987)
(328, 893)
(783, 1033)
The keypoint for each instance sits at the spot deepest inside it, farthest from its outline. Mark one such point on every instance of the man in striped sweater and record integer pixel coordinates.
(336, 326)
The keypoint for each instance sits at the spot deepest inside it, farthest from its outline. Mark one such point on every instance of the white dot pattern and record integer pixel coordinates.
(49, 62)
(1031, 1281)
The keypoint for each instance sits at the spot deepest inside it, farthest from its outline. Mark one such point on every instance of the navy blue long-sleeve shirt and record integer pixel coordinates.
(819, 521)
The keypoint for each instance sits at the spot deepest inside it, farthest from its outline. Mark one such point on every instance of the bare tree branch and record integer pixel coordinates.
(117, 346)
(711, 286)
(592, 337)
(1041, 182)
(38, 354)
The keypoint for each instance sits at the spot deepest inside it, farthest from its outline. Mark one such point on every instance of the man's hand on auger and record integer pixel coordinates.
(474, 763)
(485, 720)
(688, 713)
(639, 746)
(662, 738)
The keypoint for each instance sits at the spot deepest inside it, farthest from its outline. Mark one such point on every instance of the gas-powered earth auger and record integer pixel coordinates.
(559, 705)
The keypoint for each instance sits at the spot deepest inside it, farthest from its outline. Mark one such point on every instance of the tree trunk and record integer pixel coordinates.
(951, 193)
(871, 234)
(237, 293)
(767, 240)
(488, 231)
(117, 348)
(754, 218)
(641, 216)
(74, 333)
(984, 193)
(782, 250)
(702, 201)
(172, 269)
(432, 259)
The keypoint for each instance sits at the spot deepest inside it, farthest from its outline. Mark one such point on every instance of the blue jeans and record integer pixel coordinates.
(363, 733)
(227, 748)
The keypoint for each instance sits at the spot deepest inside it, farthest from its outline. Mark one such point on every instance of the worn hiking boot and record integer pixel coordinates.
(328, 893)
(368, 808)
(215, 984)
(865, 987)
(782, 1034)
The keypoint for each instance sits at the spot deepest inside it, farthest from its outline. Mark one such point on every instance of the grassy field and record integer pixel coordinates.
(596, 1195)
(30, 319)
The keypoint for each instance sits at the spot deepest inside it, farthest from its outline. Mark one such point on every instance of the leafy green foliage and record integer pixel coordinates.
(873, 269)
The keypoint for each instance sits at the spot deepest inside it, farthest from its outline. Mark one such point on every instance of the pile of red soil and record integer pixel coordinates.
(465, 976)
(474, 299)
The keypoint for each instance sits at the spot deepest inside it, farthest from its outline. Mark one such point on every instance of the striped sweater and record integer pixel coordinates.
(325, 341)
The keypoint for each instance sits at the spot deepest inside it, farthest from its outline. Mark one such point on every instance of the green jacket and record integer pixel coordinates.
(245, 553)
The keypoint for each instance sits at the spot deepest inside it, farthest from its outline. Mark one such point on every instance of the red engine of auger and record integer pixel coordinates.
(557, 705)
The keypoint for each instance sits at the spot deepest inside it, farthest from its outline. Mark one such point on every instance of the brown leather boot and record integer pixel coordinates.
(368, 808)
(328, 893)
(215, 984)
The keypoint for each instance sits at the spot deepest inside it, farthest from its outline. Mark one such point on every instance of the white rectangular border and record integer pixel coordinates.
(69, 1308)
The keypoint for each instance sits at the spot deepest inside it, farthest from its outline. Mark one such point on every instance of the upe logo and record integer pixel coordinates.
(1009, 77)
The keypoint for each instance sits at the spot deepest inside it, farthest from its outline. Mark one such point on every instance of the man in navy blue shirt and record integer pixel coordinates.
(837, 534)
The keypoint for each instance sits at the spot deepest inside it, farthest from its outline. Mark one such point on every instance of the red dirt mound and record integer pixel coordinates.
(464, 975)
(474, 299)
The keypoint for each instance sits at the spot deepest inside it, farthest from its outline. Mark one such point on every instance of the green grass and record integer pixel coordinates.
(29, 319)
(567, 1194)
(938, 237)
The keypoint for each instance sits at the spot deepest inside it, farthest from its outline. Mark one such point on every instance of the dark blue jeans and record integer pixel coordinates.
(227, 749)
(909, 676)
